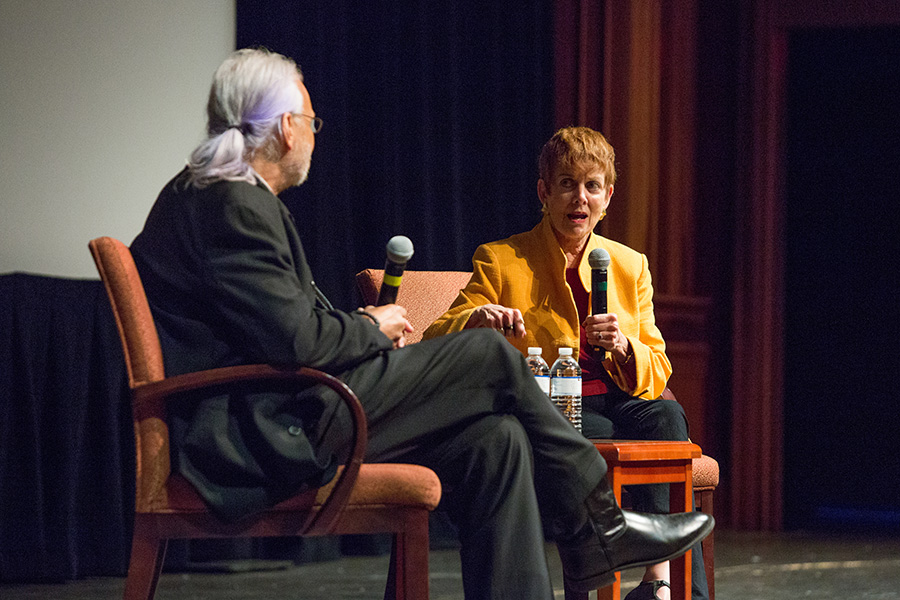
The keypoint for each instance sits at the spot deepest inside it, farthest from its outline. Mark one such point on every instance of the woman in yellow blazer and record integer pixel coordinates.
(528, 271)
(535, 288)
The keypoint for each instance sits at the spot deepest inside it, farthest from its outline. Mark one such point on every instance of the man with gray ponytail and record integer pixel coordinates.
(252, 108)
(228, 283)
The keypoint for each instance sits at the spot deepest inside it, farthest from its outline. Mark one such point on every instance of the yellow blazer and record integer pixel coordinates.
(528, 271)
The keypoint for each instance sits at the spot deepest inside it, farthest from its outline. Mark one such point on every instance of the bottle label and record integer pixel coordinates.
(543, 382)
(566, 386)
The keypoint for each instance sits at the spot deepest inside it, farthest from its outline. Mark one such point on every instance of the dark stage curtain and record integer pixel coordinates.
(434, 117)
(66, 439)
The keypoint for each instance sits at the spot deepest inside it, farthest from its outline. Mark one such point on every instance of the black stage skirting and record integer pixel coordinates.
(66, 439)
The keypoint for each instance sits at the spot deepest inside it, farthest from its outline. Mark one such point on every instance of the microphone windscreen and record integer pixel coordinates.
(598, 258)
(399, 249)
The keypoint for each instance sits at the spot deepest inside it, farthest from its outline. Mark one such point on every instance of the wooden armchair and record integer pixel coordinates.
(363, 498)
(428, 294)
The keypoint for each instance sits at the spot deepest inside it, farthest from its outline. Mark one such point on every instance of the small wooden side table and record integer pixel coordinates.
(632, 462)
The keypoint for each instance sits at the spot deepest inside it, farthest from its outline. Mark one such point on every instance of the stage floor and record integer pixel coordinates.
(748, 567)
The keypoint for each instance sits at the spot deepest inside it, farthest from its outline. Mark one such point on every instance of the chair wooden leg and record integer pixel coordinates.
(391, 588)
(704, 502)
(614, 590)
(147, 556)
(408, 571)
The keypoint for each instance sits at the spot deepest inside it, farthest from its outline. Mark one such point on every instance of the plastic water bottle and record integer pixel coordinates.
(540, 369)
(565, 386)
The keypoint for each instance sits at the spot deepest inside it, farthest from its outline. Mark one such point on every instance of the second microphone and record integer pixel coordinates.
(599, 261)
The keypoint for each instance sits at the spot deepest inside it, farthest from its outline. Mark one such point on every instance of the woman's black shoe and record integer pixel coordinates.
(647, 590)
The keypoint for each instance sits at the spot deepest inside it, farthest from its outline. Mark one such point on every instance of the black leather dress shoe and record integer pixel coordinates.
(612, 540)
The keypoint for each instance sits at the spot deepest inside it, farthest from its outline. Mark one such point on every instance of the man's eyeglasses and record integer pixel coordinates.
(315, 123)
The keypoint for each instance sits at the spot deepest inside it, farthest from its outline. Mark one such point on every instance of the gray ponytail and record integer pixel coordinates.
(250, 92)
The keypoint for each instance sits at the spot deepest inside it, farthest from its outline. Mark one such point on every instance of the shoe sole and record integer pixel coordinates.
(604, 579)
(590, 584)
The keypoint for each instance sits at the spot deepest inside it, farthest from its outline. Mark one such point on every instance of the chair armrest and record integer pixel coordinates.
(149, 398)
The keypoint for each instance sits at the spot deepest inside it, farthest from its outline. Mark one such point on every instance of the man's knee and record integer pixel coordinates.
(491, 345)
(484, 351)
(491, 359)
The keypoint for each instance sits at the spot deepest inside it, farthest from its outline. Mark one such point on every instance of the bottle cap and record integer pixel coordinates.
(534, 350)
(565, 352)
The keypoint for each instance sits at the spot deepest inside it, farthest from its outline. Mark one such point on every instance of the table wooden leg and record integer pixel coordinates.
(614, 590)
(680, 498)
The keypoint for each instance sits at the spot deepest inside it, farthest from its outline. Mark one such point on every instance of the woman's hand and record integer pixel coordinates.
(507, 321)
(392, 322)
(603, 331)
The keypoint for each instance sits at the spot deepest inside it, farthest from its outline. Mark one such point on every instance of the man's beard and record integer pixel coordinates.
(297, 171)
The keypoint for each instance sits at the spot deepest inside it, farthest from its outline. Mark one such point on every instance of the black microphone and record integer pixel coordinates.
(599, 261)
(399, 251)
